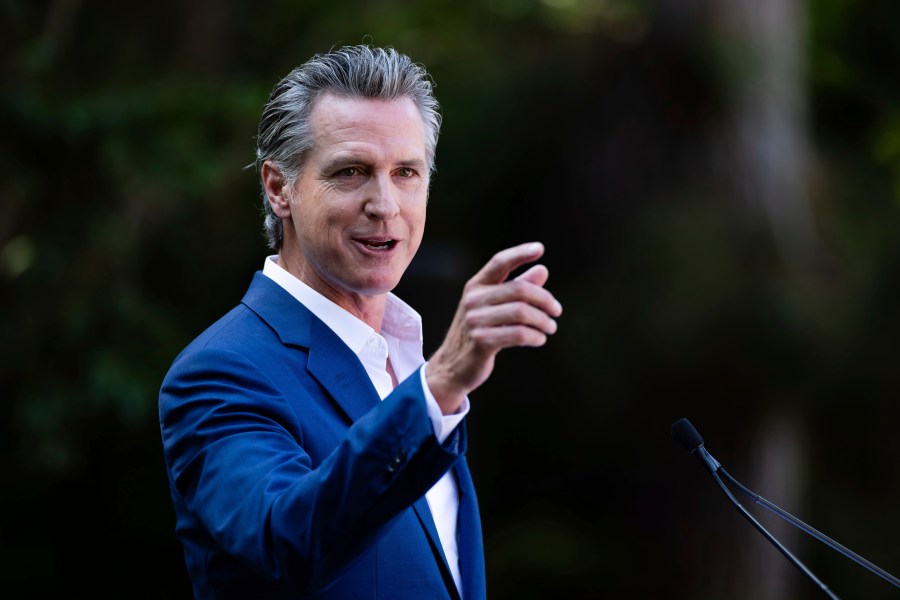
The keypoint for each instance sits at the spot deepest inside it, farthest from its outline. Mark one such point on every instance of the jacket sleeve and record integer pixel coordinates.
(235, 450)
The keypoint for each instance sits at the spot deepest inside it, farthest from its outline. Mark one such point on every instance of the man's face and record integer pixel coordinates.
(358, 207)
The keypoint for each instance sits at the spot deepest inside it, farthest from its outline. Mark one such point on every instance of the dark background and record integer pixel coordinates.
(718, 188)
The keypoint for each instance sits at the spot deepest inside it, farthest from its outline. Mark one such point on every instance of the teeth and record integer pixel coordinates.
(378, 244)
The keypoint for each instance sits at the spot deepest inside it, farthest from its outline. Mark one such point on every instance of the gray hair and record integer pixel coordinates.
(285, 135)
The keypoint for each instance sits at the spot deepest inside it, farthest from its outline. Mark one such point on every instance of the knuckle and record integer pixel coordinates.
(479, 337)
(471, 301)
(520, 311)
(518, 286)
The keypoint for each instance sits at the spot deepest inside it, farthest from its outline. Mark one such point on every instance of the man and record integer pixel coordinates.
(312, 452)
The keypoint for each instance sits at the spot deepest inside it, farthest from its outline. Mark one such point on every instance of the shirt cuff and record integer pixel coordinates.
(443, 424)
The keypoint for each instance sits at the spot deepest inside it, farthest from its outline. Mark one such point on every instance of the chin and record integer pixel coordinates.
(378, 287)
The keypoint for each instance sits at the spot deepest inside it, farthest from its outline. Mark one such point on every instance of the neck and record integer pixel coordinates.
(368, 309)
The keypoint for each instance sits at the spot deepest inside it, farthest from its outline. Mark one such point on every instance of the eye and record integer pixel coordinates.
(406, 172)
(348, 172)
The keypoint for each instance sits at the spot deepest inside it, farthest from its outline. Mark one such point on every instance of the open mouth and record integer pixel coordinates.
(379, 244)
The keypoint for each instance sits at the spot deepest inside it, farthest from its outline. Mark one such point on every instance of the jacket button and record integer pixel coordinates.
(391, 467)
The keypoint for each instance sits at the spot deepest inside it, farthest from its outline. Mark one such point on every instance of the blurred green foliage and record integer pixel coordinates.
(129, 220)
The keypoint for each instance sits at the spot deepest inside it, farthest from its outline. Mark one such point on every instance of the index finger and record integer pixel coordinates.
(506, 261)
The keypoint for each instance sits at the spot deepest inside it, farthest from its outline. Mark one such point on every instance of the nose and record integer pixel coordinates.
(381, 202)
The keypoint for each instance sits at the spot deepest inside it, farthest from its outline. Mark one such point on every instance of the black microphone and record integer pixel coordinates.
(687, 436)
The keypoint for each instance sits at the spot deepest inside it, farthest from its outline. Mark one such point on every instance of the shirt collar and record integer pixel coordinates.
(400, 320)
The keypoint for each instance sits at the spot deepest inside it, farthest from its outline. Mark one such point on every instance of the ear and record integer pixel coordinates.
(277, 191)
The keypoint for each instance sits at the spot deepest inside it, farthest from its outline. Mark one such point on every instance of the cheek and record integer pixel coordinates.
(312, 235)
(416, 230)
(318, 221)
(414, 213)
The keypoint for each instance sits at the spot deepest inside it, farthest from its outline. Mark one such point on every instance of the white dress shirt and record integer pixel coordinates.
(401, 340)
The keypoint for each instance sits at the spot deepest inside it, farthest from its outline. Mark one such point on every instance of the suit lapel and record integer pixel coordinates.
(471, 544)
(340, 372)
(331, 362)
(424, 513)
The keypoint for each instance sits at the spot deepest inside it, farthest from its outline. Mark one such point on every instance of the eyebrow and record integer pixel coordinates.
(347, 160)
(415, 162)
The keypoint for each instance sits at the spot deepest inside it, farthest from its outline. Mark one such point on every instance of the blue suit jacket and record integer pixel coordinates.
(289, 476)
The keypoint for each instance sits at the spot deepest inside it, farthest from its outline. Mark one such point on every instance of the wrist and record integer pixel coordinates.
(448, 395)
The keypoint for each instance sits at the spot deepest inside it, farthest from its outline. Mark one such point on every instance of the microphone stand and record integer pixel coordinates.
(714, 468)
(685, 433)
(816, 534)
(794, 560)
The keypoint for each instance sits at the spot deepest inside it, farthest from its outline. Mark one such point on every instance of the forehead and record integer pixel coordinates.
(357, 123)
